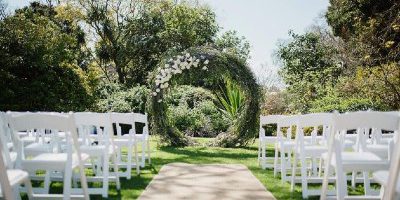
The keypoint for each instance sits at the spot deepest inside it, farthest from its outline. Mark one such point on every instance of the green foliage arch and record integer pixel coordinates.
(205, 67)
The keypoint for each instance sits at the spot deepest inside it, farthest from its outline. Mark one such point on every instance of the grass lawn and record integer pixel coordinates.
(201, 154)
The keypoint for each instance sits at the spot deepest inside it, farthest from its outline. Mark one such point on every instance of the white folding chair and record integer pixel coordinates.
(61, 163)
(344, 162)
(284, 147)
(10, 178)
(265, 140)
(143, 138)
(100, 147)
(309, 151)
(390, 180)
(127, 141)
(36, 141)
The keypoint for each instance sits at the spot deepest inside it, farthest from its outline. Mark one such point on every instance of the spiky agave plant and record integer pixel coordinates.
(230, 99)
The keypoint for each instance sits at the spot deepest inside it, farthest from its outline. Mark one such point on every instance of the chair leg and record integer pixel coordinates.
(29, 190)
(148, 150)
(292, 183)
(106, 173)
(47, 182)
(143, 161)
(259, 150)
(129, 163)
(116, 171)
(263, 156)
(119, 155)
(276, 162)
(67, 183)
(75, 178)
(353, 179)
(283, 166)
(314, 167)
(136, 158)
(321, 161)
(367, 188)
(15, 190)
(304, 184)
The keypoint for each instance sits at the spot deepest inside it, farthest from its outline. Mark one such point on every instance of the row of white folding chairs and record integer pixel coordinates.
(96, 150)
(65, 163)
(311, 150)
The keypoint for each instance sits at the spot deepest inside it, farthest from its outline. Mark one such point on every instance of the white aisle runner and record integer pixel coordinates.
(179, 181)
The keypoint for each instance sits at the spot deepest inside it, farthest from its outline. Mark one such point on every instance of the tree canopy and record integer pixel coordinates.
(42, 66)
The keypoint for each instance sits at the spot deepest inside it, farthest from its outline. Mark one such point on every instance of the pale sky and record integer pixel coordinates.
(266, 22)
(263, 22)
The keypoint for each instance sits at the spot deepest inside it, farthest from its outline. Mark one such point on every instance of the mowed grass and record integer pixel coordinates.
(201, 154)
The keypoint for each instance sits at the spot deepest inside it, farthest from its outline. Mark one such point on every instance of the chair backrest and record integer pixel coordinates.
(123, 118)
(142, 118)
(6, 188)
(287, 122)
(92, 119)
(314, 120)
(366, 119)
(5, 160)
(5, 138)
(268, 119)
(85, 121)
(56, 122)
(394, 172)
(351, 121)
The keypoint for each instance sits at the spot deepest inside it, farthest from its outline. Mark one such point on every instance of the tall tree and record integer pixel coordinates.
(165, 27)
(234, 44)
(308, 68)
(41, 68)
(3, 9)
(372, 28)
(131, 36)
(373, 25)
(107, 20)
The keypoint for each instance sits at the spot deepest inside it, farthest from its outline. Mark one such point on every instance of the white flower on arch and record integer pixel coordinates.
(174, 67)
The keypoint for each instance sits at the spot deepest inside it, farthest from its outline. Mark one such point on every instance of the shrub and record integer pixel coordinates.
(192, 111)
(116, 98)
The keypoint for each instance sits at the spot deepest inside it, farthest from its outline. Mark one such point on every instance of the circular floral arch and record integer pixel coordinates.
(205, 67)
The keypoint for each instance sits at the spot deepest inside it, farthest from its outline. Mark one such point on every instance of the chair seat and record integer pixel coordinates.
(285, 144)
(51, 161)
(314, 150)
(385, 140)
(28, 139)
(381, 177)
(35, 149)
(122, 141)
(96, 150)
(347, 143)
(269, 139)
(141, 137)
(16, 176)
(380, 150)
(360, 161)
